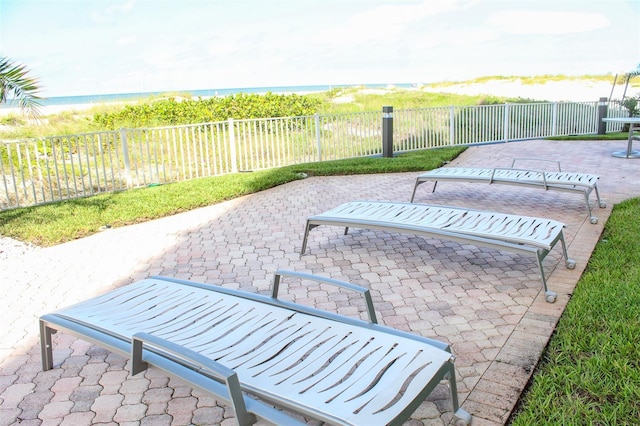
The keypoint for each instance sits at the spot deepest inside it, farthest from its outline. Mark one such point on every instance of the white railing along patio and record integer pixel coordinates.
(56, 168)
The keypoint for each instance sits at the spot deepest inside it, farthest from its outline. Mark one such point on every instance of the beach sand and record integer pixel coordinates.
(552, 91)
(54, 109)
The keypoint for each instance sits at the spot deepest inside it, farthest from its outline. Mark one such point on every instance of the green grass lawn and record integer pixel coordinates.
(590, 372)
(613, 136)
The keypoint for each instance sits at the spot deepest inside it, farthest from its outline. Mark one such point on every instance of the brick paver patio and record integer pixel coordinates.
(487, 304)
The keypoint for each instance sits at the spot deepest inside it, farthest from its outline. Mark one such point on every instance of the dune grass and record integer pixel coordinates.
(335, 101)
(546, 78)
(77, 121)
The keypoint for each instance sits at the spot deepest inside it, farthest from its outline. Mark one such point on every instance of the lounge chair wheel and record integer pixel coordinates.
(593, 220)
(550, 296)
(461, 417)
(571, 264)
(603, 205)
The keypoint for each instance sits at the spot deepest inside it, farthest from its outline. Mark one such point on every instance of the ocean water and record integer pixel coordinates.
(118, 97)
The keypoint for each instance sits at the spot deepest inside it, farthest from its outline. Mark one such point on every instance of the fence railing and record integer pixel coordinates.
(50, 169)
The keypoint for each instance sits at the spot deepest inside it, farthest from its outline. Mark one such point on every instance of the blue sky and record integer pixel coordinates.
(83, 47)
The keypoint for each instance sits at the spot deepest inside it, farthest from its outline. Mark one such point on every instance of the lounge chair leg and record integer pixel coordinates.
(414, 189)
(418, 183)
(601, 203)
(307, 228)
(46, 347)
(550, 296)
(137, 364)
(570, 263)
(592, 218)
(460, 416)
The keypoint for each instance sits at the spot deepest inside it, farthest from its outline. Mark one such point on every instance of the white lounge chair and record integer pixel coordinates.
(518, 234)
(548, 180)
(260, 352)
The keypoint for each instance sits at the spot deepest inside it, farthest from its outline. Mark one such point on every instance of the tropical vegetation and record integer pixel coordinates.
(17, 85)
(176, 111)
(181, 108)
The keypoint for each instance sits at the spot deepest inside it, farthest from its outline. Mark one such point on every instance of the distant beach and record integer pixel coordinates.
(552, 91)
(56, 104)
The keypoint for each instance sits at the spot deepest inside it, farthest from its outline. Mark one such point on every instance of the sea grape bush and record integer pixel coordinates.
(172, 111)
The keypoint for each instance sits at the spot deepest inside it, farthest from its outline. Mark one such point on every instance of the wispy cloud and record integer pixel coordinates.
(125, 40)
(547, 22)
(402, 14)
(113, 11)
(387, 23)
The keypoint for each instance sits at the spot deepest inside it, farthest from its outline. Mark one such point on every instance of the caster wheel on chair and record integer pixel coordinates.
(550, 296)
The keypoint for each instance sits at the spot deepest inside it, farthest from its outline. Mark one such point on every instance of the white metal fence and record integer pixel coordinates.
(58, 168)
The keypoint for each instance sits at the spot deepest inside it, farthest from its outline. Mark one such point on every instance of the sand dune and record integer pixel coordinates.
(552, 91)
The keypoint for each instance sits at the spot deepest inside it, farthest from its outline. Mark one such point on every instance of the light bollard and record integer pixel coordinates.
(387, 131)
(602, 113)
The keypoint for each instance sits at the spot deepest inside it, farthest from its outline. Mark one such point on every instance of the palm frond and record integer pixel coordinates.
(17, 85)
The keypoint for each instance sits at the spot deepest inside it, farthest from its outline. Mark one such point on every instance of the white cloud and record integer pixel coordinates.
(401, 14)
(113, 11)
(471, 36)
(547, 22)
(383, 24)
(125, 40)
(221, 47)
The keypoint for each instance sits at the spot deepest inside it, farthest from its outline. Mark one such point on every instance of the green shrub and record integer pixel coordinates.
(172, 111)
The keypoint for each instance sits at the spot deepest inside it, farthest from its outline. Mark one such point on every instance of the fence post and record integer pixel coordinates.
(232, 146)
(125, 157)
(452, 125)
(554, 124)
(602, 113)
(318, 140)
(506, 123)
(387, 131)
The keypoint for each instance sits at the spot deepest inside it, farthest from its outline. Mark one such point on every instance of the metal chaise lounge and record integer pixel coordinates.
(271, 359)
(518, 234)
(547, 180)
